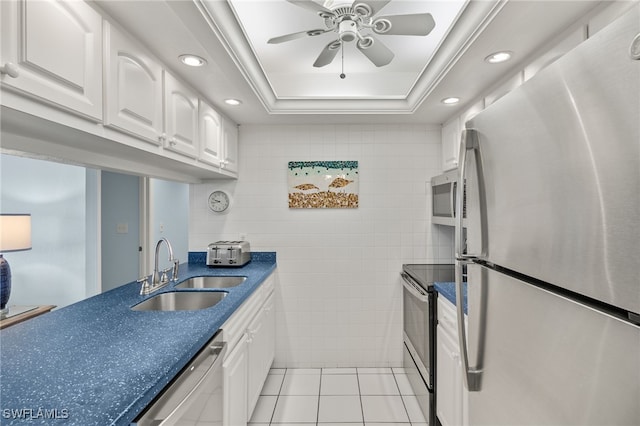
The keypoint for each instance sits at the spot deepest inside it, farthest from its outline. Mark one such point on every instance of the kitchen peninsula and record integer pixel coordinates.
(97, 362)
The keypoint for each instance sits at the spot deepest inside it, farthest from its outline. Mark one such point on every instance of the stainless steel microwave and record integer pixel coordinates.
(443, 198)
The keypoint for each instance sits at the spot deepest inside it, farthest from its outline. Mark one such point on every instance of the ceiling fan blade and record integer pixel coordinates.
(419, 24)
(328, 54)
(310, 5)
(293, 36)
(374, 5)
(375, 50)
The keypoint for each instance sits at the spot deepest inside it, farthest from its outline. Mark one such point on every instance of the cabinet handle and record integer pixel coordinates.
(172, 142)
(10, 69)
(162, 137)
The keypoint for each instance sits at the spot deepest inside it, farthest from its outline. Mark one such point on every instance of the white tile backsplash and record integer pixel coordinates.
(338, 296)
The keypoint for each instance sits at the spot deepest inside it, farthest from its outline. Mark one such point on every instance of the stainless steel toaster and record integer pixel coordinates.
(228, 253)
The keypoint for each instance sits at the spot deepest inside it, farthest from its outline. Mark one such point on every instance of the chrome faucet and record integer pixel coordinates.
(160, 279)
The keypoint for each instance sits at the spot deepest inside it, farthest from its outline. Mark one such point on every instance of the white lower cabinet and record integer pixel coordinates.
(234, 371)
(261, 350)
(250, 336)
(451, 396)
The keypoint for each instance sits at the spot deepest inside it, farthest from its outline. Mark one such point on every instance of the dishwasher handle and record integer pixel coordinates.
(174, 401)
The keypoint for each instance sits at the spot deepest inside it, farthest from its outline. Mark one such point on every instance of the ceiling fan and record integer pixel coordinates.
(351, 20)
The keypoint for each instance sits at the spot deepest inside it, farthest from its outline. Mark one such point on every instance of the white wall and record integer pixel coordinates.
(339, 292)
(169, 215)
(55, 271)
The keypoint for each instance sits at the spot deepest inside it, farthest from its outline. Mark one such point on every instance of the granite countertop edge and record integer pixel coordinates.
(97, 362)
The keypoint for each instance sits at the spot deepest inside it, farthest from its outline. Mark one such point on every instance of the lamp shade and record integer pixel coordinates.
(15, 232)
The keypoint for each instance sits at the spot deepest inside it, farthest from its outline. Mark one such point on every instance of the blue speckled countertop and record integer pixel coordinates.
(97, 362)
(448, 290)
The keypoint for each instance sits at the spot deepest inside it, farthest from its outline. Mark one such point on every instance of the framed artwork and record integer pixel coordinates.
(323, 184)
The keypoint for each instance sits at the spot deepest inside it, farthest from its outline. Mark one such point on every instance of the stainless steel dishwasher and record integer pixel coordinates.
(195, 395)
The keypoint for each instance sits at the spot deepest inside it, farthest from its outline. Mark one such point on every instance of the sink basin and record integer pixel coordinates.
(181, 301)
(212, 282)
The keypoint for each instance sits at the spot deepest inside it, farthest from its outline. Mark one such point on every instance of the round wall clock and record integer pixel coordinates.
(219, 201)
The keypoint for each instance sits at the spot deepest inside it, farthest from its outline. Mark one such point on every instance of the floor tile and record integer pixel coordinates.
(344, 408)
(404, 385)
(374, 371)
(303, 371)
(272, 385)
(413, 409)
(296, 409)
(264, 409)
(339, 384)
(301, 384)
(383, 408)
(378, 384)
(339, 371)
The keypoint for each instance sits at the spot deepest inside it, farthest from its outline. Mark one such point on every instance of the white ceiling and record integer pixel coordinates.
(277, 83)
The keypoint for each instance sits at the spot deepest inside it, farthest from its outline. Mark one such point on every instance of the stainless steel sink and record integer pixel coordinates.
(212, 282)
(181, 301)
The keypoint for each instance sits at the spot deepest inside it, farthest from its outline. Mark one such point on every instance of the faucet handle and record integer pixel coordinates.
(146, 287)
(174, 274)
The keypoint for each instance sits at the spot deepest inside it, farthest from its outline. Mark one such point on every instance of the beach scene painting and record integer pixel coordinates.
(323, 184)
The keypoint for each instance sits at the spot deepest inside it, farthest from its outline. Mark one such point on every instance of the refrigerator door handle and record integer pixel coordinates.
(471, 375)
(469, 143)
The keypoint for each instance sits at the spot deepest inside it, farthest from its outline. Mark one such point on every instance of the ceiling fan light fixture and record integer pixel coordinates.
(363, 10)
(450, 101)
(347, 30)
(365, 42)
(499, 57)
(381, 26)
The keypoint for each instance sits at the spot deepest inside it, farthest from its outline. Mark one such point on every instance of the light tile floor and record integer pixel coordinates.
(337, 397)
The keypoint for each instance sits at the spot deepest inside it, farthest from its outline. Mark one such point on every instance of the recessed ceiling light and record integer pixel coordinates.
(233, 102)
(498, 57)
(450, 101)
(193, 60)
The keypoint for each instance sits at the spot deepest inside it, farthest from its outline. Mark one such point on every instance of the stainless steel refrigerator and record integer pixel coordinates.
(551, 246)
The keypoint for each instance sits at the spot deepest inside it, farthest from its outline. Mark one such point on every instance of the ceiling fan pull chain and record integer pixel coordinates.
(342, 75)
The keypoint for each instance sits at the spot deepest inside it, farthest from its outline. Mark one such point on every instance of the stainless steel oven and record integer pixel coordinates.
(419, 332)
(195, 397)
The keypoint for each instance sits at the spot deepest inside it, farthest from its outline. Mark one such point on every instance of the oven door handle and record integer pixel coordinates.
(414, 288)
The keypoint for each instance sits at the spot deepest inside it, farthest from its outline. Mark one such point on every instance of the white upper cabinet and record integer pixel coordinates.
(452, 135)
(210, 134)
(230, 146)
(450, 144)
(133, 88)
(181, 117)
(52, 50)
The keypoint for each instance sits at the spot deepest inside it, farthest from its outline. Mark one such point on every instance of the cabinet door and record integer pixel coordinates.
(261, 350)
(449, 380)
(133, 87)
(230, 144)
(56, 47)
(235, 385)
(210, 134)
(450, 144)
(181, 117)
